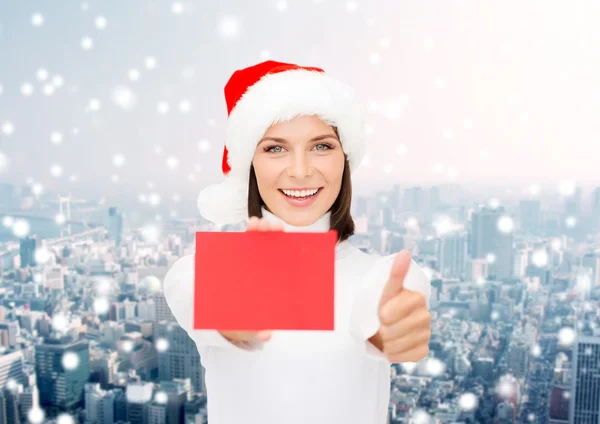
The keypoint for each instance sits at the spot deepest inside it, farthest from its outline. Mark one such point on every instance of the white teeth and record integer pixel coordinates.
(300, 193)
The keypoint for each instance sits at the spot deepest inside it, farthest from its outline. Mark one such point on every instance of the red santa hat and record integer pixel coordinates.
(260, 96)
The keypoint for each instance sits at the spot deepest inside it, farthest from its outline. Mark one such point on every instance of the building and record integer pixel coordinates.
(11, 368)
(584, 405)
(530, 216)
(453, 254)
(61, 378)
(115, 225)
(181, 359)
(488, 241)
(27, 248)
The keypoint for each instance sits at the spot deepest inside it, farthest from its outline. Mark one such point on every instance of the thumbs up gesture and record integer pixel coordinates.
(405, 330)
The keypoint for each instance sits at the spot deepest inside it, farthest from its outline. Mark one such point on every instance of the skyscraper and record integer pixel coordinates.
(62, 368)
(585, 385)
(434, 200)
(11, 368)
(452, 254)
(530, 215)
(592, 261)
(413, 199)
(572, 203)
(181, 359)
(488, 241)
(115, 225)
(163, 313)
(27, 247)
(596, 209)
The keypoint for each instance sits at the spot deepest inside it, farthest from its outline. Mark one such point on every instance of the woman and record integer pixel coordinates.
(294, 135)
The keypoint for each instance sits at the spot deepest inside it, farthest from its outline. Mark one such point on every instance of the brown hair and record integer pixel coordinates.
(341, 219)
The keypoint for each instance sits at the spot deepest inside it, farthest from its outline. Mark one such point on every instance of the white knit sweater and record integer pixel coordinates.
(301, 377)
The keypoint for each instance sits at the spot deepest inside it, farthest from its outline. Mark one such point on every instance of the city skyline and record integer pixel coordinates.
(490, 277)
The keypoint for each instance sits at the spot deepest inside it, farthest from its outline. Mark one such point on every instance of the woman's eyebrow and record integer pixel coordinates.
(284, 141)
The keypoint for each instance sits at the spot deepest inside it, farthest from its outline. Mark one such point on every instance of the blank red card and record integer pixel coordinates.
(269, 280)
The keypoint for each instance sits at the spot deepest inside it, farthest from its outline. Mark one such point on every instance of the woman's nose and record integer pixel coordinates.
(300, 166)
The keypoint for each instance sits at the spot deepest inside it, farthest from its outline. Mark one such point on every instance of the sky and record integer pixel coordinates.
(125, 98)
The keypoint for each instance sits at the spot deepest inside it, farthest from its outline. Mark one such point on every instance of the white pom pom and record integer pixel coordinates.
(226, 202)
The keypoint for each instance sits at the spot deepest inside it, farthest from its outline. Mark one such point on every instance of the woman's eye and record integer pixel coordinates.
(273, 149)
(323, 147)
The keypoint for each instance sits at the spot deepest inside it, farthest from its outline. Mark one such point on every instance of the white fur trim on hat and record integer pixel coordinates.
(282, 96)
(226, 202)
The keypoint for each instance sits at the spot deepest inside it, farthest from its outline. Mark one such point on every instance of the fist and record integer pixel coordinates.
(405, 321)
(254, 224)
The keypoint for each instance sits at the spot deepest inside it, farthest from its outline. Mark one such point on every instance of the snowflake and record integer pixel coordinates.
(87, 43)
(505, 224)
(229, 27)
(27, 89)
(70, 361)
(100, 22)
(468, 402)
(37, 20)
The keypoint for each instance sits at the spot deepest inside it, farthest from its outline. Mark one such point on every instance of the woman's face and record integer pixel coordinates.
(299, 166)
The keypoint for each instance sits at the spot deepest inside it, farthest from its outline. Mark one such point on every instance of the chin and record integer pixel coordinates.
(302, 218)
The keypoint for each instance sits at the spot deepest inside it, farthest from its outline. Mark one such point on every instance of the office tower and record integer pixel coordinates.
(181, 359)
(176, 395)
(592, 261)
(9, 330)
(157, 413)
(489, 242)
(115, 225)
(585, 386)
(596, 209)
(3, 418)
(116, 311)
(9, 406)
(120, 405)
(11, 368)
(27, 248)
(452, 254)
(413, 199)
(530, 215)
(395, 197)
(163, 313)
(572, 204)
(387, 217)
(434, 200)
(28, 398)
(558, 411)
(139, 397)
(62, 368)
(99, 404)
(106, 413)
(92, 399)
(518, 357)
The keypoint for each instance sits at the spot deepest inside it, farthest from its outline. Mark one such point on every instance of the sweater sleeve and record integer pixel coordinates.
(178, 289)
(364, 320)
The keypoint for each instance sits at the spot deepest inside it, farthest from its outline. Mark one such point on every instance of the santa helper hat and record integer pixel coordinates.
(260, 96)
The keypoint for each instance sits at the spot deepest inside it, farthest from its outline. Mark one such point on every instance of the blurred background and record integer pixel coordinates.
(482, 161)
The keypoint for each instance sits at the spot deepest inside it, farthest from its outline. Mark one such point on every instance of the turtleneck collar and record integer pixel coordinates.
(320, 226)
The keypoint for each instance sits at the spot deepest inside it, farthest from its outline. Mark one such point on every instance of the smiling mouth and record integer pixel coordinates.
(300, 194)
